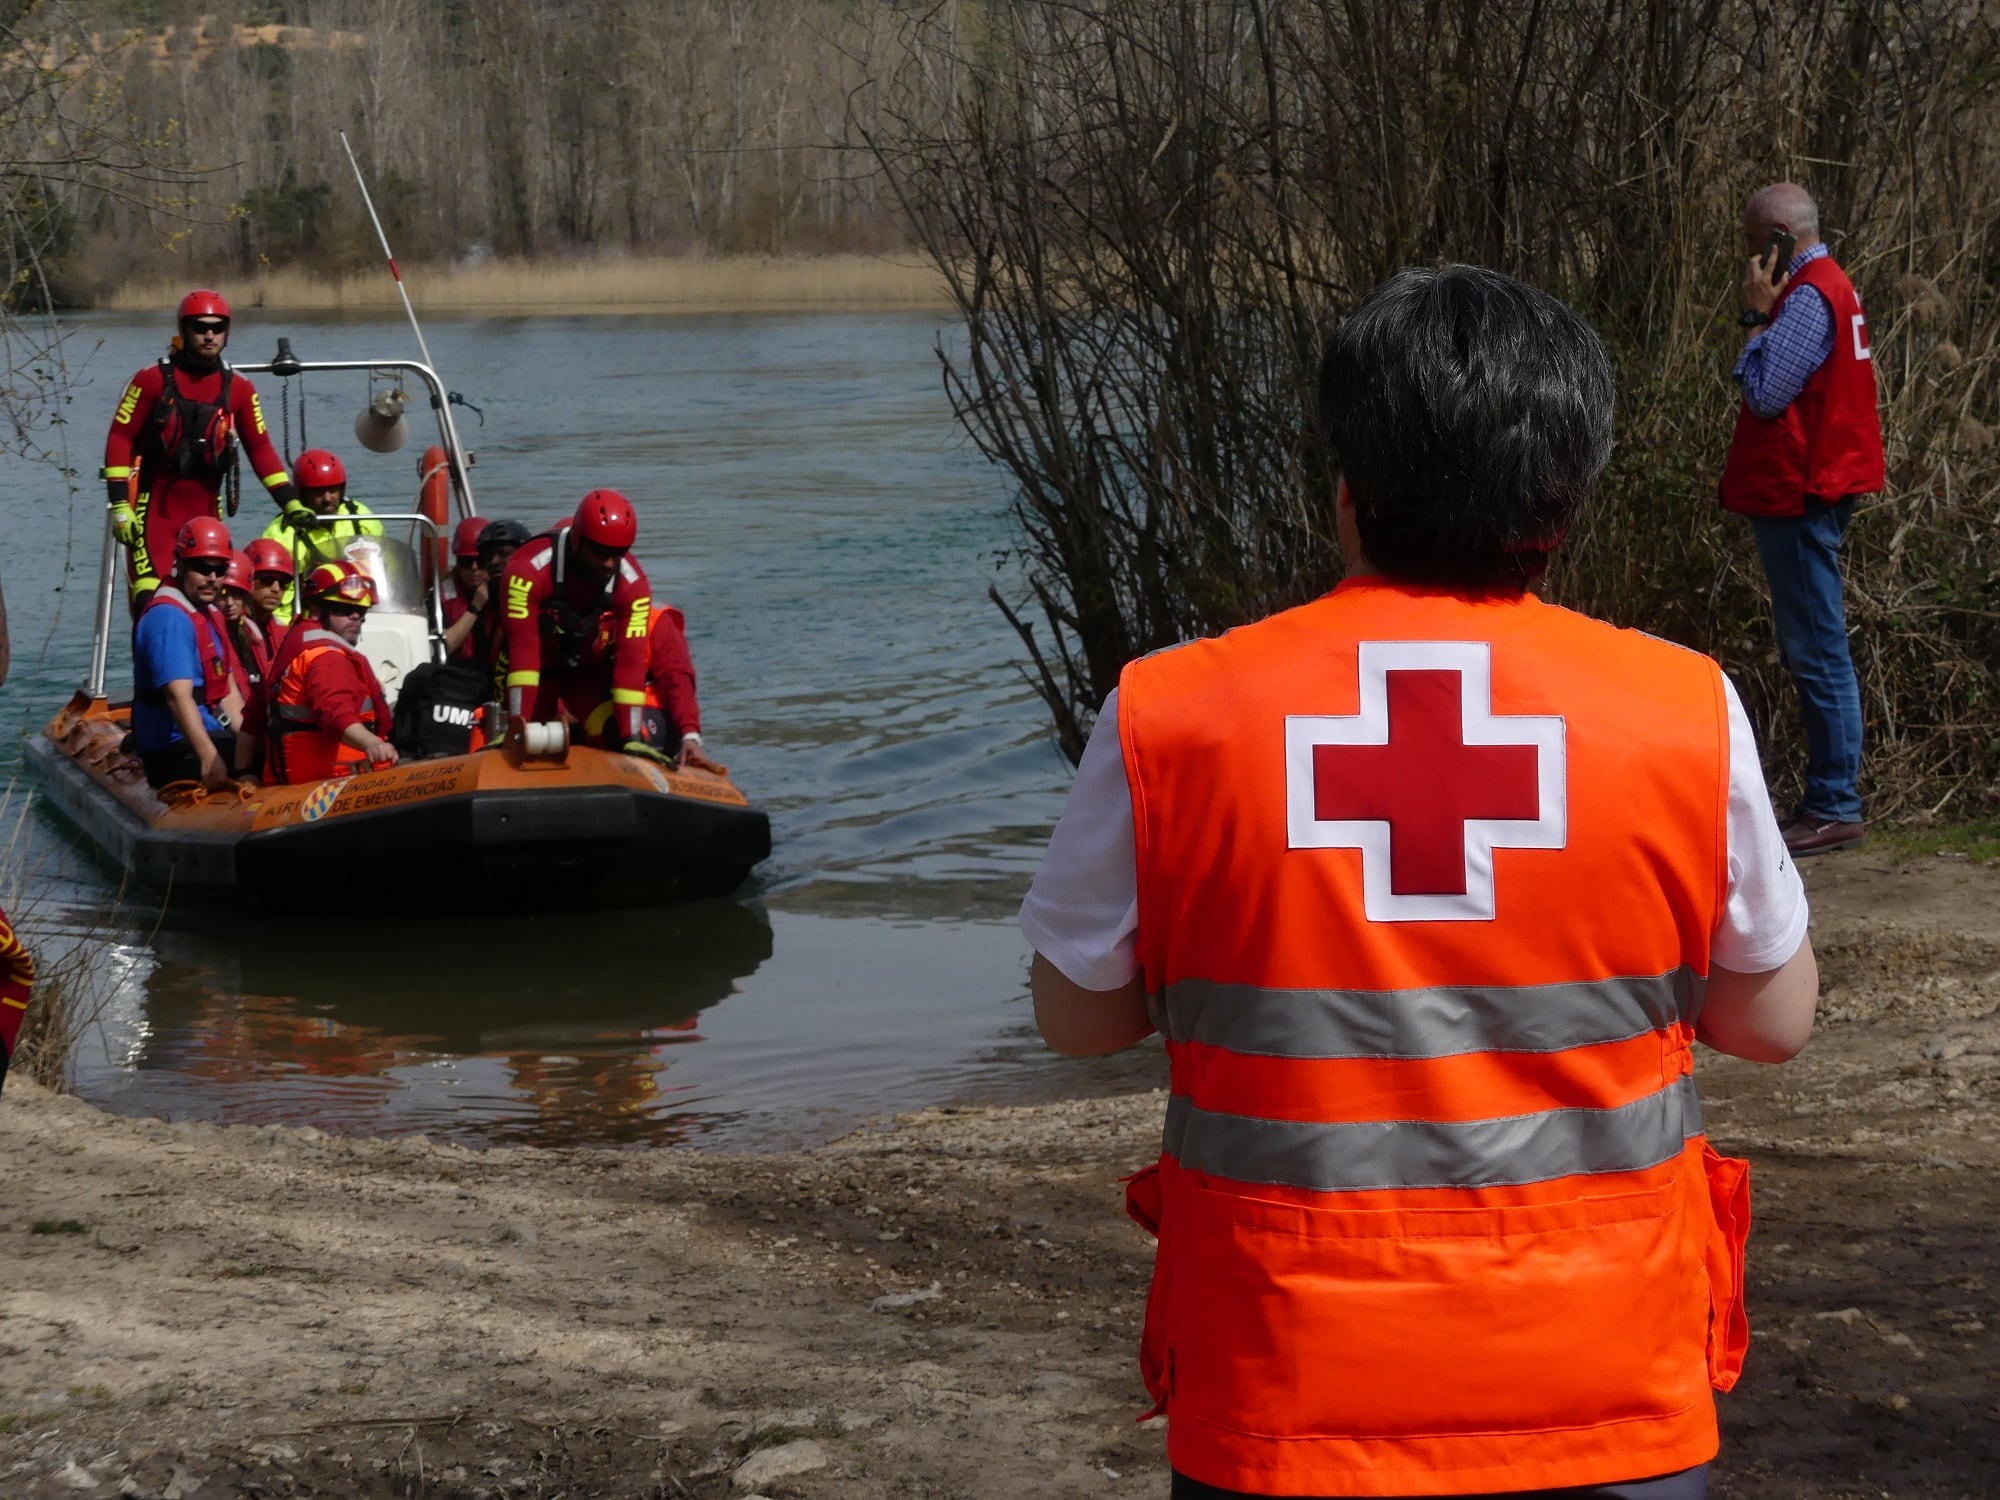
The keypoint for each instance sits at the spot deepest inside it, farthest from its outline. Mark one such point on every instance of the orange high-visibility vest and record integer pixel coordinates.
(1426, 893)
(300, 749)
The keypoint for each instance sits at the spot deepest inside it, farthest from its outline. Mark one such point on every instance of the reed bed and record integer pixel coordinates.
(690, 283)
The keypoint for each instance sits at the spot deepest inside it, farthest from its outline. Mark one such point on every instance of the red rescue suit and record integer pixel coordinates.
(670, 673)
(17, 978)
(320, 686)
(169, 450)
(574, 643)
(1828, 442)
(456, 606)
(1436, 1212)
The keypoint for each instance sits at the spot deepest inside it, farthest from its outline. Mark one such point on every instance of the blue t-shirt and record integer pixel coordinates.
(164, 651)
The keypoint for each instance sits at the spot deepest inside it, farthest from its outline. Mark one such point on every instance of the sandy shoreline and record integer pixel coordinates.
(942, 1305)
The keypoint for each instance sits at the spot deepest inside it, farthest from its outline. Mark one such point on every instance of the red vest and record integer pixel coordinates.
(1828, 442)
(1426, 890)
(300, 750)
(218, 658)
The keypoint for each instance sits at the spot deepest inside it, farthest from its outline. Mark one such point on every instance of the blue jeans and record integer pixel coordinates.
(1802, 561)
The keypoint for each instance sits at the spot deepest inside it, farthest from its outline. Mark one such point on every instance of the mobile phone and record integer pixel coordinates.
(1778, 253)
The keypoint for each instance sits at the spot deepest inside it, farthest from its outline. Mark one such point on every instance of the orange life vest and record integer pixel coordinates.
(300, 750)
(1426, 892)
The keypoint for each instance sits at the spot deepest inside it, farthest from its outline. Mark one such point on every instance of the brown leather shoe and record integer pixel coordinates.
(1806, 834)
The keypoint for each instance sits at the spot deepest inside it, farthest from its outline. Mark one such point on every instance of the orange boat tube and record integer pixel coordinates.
(523, 824)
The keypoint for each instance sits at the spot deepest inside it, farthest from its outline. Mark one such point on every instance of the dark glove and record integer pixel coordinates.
(300, 518)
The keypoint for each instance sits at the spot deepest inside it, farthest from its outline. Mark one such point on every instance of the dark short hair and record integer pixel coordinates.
(1470, 416)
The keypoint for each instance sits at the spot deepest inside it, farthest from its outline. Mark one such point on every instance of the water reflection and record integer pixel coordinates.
(539, 1032)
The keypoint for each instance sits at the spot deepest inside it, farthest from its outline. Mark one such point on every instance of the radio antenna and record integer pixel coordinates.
(387, 254)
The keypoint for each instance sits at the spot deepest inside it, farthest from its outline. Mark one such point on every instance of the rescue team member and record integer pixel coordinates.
(673, 716)
(463, 593)
(271, 575)
(169, 447)
(17, 964)
(250, 652)
(329, 716)
(1808, 442)
(1424, 881)
(325, 520)
(575, 625)
(17, 981)
(497, 545)
(185, 708)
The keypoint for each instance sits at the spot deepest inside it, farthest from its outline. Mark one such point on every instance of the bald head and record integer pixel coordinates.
(1782, 205)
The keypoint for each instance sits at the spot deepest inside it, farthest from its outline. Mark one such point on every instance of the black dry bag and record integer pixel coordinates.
(436, 710)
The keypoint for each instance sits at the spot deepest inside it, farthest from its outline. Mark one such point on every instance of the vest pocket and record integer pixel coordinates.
(1728, 1320)
(1296, 1322)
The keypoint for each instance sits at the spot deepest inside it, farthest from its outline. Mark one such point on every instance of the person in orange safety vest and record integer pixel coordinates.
(329, 716)
(1430, 888)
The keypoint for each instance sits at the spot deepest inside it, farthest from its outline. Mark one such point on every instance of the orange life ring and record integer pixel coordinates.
(434, 501)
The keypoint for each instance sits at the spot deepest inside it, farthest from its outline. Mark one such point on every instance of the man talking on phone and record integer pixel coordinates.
(1808, 443)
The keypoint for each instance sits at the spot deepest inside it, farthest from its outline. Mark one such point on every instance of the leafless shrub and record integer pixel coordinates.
(1149, 215)
(76, 975)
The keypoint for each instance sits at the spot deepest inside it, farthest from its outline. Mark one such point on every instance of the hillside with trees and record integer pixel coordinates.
(521, 128)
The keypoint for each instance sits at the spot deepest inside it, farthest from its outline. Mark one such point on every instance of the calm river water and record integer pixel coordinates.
(806, 498)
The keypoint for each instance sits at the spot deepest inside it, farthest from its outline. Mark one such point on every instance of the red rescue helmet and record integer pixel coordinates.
(317, 469)
(203, 537)
(267, 556)
(239, 574)
(340, 583)
(604, 519)
(202, 303)
(465, 540)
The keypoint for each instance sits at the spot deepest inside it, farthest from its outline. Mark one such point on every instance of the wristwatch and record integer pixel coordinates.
(1751, 318)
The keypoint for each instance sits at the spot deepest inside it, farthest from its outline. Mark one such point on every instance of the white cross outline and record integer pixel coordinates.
(1473, 661)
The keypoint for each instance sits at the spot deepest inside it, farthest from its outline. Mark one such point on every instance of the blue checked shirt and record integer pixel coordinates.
(1775, 365)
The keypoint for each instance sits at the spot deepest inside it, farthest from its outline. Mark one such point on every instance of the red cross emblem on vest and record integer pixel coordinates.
(1426, 781)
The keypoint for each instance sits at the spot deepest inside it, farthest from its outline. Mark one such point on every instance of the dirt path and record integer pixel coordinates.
(944, 1306)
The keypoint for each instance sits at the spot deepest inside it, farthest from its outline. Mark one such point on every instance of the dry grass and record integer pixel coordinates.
(746, 283)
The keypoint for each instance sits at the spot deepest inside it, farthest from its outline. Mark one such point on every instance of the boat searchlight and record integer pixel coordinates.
(380, 428)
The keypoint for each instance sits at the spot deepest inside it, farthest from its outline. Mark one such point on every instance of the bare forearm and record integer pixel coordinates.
(1086, 1023)
(187, 718)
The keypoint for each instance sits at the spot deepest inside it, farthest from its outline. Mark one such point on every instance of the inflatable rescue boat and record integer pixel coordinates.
(528, 821)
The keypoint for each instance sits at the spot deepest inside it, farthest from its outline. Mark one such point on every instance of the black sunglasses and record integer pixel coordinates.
(263, 578)
(209, 566)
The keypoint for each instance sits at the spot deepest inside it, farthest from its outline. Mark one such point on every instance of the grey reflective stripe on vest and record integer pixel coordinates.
(1350, 1157)
(1439, 1022)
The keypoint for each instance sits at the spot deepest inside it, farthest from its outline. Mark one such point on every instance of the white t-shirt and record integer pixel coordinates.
(1082, 912)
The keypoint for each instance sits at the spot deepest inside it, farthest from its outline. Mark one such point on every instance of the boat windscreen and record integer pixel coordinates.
(399, 587)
